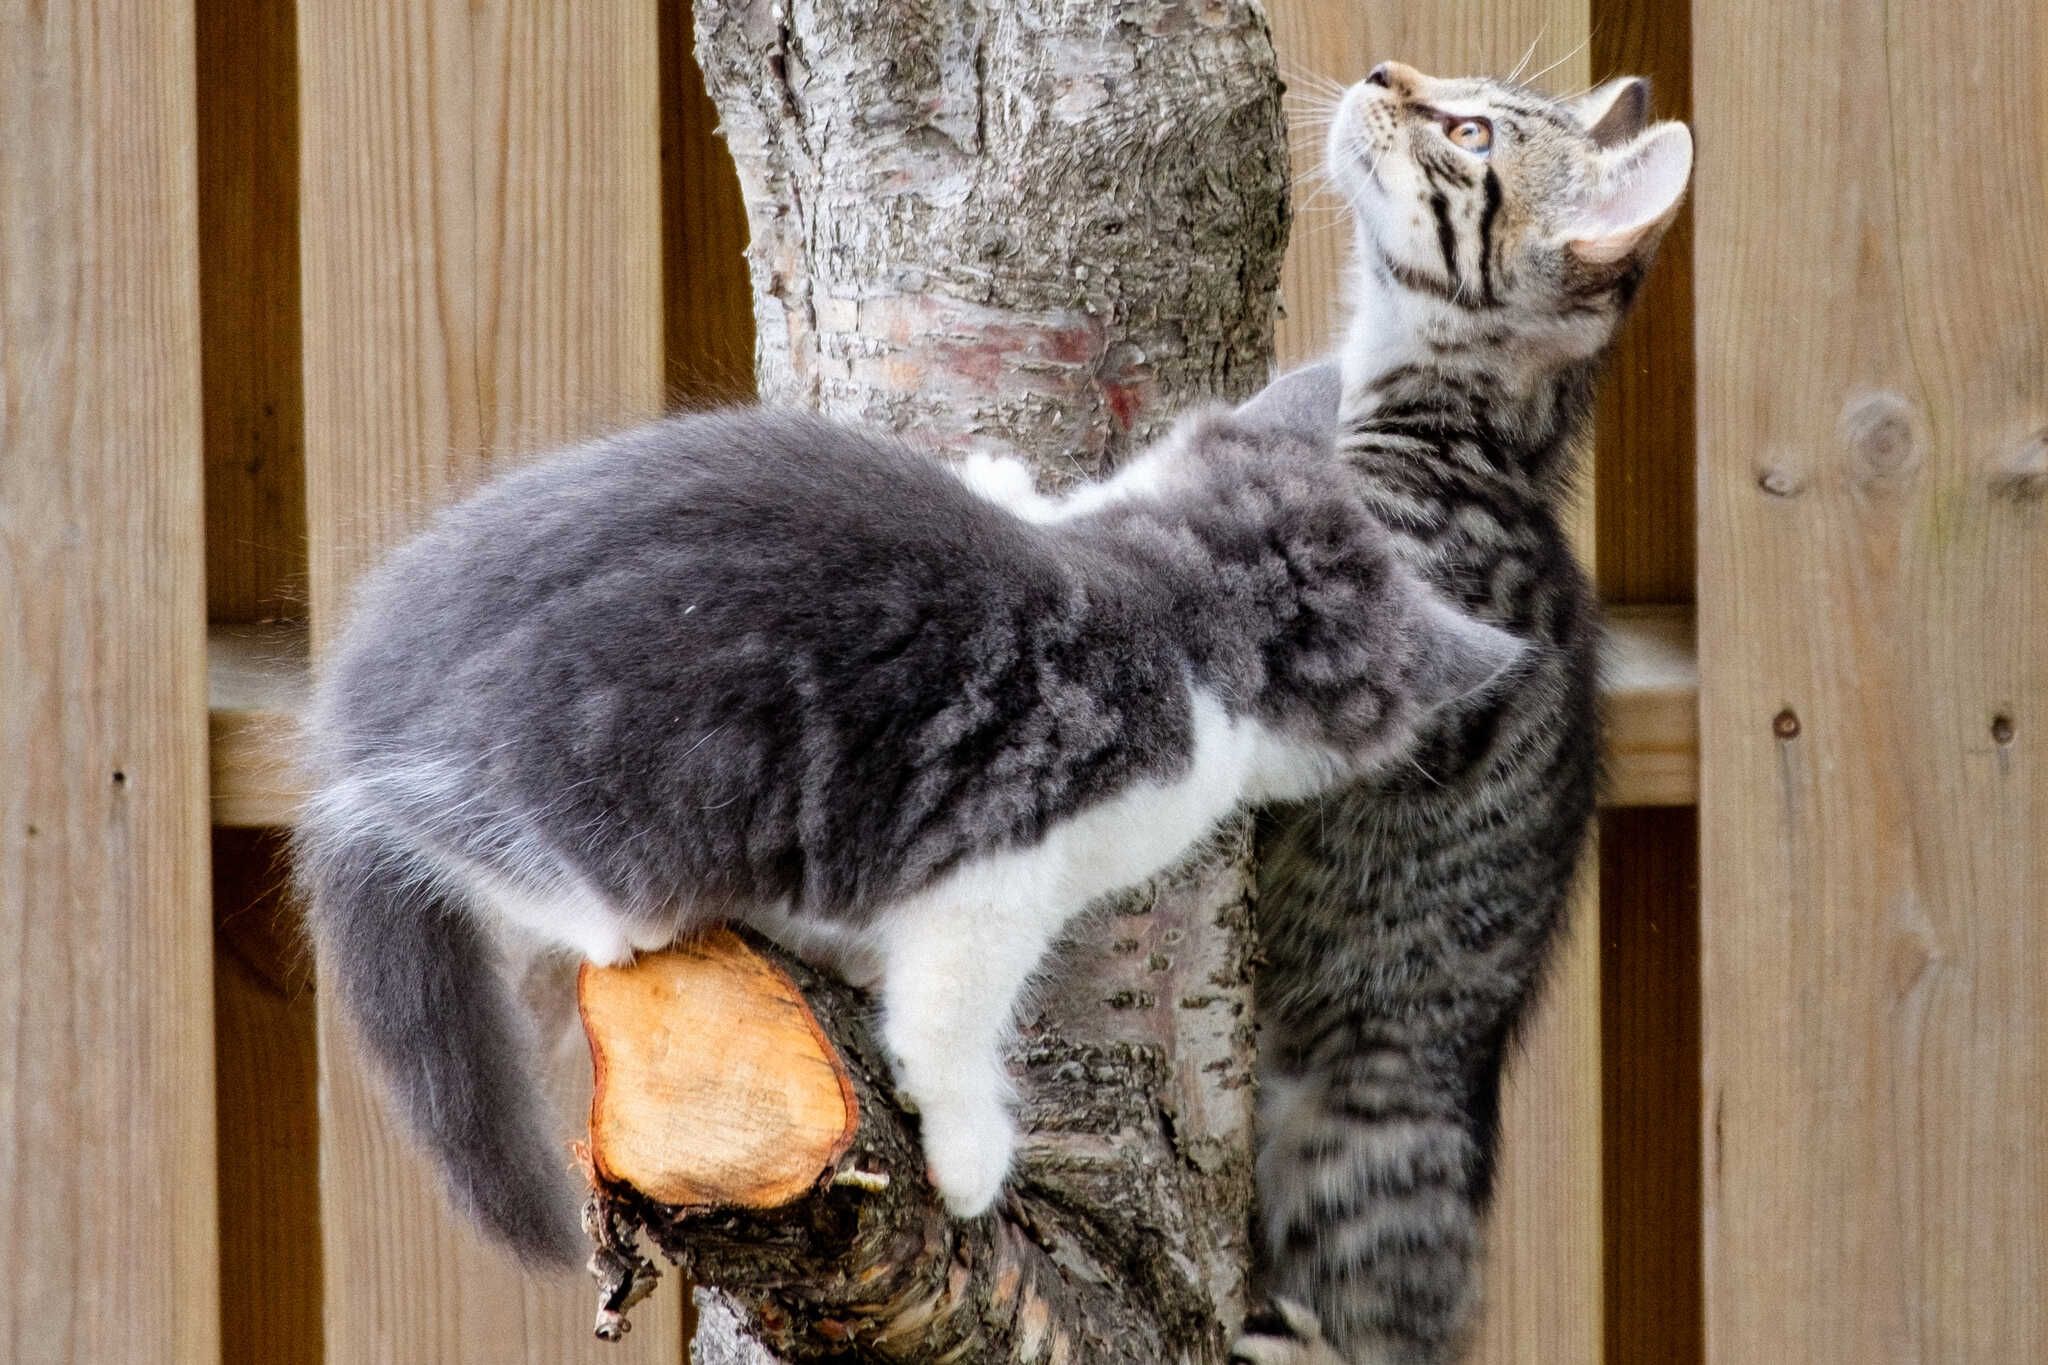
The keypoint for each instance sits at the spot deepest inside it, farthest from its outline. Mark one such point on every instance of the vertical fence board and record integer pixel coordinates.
(481, 236)
(1649, 859)
(1873, 539)
(1543, 1278)
(106, 1077)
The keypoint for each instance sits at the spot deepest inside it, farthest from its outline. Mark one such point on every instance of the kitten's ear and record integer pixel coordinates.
(1642, 184)
(1613, 111)
(1461, 655)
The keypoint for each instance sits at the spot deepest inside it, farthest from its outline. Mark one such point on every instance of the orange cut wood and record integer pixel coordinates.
(715, 1086)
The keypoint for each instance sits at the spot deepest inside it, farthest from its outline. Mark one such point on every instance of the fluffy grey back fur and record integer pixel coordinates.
(749, 662)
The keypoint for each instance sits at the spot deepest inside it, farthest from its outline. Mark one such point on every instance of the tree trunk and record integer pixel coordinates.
(1046, 227)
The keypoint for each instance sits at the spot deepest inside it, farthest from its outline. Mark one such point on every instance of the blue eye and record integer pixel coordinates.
(1473, 134)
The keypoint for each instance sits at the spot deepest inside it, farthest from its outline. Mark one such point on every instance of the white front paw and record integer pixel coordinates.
(967, 1153)
(1289, 1335)
(1255, 1350)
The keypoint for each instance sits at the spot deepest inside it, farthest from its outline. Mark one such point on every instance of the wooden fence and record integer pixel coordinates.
(275, 279)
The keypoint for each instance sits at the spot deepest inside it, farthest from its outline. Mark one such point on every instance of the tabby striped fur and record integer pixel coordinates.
(1405, 922)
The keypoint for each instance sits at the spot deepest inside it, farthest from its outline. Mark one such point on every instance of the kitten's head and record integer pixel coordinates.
(1480, 200)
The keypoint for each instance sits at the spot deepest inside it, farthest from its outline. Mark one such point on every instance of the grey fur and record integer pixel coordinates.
(755, 666)
(1405, 921)
(1305, 399)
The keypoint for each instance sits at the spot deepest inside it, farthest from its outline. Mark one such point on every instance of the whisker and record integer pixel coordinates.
(1523, 65)
(1326, 222)
(1313, 186)
(1595, 84)
(1577, 48)
(1294, 70)
(1312, 83)
(1321, 203)
(1313, 183)
(1310, 104)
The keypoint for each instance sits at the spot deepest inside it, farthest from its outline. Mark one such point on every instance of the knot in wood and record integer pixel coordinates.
(1778, 481)
(2025, 476)
(1882, 431)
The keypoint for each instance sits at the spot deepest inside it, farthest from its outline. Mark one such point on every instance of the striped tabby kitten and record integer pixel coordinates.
(1500, 237)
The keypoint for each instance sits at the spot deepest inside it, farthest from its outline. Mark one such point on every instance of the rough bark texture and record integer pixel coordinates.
(1027, 223)
(1040, 226)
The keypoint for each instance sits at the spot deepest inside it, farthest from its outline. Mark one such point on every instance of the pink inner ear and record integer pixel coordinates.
(1647, 181)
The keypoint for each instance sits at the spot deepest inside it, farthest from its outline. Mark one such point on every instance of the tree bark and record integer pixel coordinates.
(1042, 227)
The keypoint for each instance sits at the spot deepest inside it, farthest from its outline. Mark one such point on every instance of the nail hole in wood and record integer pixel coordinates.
(2001, 729)
(1785, 725)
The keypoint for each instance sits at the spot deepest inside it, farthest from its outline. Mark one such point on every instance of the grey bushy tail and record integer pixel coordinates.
(422, 983)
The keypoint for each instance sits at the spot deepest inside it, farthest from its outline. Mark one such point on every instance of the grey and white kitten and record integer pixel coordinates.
(1500, 237)
(761, 668)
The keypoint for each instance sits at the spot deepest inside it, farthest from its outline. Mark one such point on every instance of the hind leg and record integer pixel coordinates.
(567, 916)
(1373, 1177)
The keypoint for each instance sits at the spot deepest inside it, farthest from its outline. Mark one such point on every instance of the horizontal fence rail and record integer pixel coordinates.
(257, 684)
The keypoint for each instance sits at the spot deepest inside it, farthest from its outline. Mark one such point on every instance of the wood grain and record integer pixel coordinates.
(1543, 1278)
(267, 1101)
(1543, 1281)
(481, 241)
(249, 310)
(716, 1086)
(1873, 541)
(1650, 687)
(256, 684)
(106, 1002)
